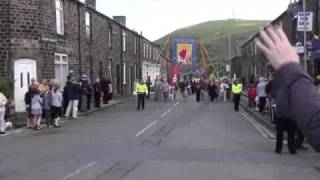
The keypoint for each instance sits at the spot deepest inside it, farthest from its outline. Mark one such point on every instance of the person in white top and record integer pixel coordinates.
(223, 90)
(3, 102)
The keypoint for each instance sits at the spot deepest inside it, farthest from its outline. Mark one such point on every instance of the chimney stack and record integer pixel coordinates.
(121, 19)
(91, 3)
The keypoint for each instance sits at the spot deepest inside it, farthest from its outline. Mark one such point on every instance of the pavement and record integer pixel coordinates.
(19, 119)
(181, 140)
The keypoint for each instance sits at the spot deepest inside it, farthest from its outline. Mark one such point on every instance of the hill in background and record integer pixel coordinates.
(216, 34)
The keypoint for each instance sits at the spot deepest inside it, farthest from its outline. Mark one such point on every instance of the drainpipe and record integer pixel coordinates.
(140, 66)
(121, 61)
(80, 53)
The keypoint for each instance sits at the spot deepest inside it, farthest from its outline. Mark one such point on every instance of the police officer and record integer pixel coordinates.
(141, 90)
(236, 90)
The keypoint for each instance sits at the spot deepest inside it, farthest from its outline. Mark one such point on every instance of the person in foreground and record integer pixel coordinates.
(296, 97)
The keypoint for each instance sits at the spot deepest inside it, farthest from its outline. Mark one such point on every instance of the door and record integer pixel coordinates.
(24, 71)
(118, 78)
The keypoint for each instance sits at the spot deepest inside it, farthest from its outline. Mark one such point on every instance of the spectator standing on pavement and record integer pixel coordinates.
(252, 93)
(47, 105)
(148, 83)
(89, 92)
(97, 93)
(141, 89)
(56, 105)
(236, 90)
(27, 99)
(261, 93)
(3, 103)
(110, 90)
(66, 91)
(36, 109)
(105, 90)
(74, 93)
(297, 98)
(83, 98)
(157, 89)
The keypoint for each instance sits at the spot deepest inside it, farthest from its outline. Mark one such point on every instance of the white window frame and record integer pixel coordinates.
(124, 73)
(147, 50)
(88, 25)
(60, 62)
(110, 37)
(124, 41)
(135, 45)
(110, 68)
(59, 17)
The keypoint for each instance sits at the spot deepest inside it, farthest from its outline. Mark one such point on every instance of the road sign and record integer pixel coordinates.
(299, 48)
(302, 20)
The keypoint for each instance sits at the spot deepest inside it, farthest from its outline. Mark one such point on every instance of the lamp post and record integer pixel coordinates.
(305, 35)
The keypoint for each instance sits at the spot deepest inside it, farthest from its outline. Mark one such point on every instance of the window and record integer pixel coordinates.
(135, 45)
(83, 1)
(147, 51)
(110, 37)
(88, 26)
(110, 68)
(124, 41)
(59, 17)
(124, 74)
(61, 68)
(144, 50)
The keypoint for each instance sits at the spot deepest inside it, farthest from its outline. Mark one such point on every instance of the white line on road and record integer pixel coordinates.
(177, 103)
(79, 170)
(165, 113)
(146, 128)
(255, 124)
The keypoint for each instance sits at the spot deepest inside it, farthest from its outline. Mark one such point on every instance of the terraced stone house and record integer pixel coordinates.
(45, 39)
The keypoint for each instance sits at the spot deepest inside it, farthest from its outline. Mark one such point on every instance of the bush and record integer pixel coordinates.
(6, 87)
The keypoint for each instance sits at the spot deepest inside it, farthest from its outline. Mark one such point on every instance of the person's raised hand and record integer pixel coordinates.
(275, 45)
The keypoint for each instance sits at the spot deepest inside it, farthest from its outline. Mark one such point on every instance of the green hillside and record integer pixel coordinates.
(215, 35)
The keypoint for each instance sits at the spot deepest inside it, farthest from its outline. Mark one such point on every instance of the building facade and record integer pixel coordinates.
(46, 39)
(253, 64)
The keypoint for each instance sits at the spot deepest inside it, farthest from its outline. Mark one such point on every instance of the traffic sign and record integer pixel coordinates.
(305, 21)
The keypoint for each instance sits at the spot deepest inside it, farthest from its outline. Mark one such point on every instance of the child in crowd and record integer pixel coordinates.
(56, 105)
(36, 109)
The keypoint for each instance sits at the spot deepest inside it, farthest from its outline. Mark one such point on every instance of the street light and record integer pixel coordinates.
(305, 35)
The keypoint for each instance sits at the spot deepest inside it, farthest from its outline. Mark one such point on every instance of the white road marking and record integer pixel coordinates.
(255, 124)
(146, 128)
(177, 103)
(165, 113)
(79, 170)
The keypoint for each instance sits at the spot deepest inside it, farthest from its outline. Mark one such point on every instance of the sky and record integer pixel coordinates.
(156, 18)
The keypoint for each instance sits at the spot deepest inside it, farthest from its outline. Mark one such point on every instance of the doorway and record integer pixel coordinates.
(24, 71)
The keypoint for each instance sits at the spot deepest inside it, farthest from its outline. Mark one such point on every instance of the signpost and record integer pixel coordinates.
(305, 20)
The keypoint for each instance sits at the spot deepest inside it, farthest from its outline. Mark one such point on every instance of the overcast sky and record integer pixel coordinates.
(156, 18)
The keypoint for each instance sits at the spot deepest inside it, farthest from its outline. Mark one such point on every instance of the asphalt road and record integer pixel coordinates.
(168, 141)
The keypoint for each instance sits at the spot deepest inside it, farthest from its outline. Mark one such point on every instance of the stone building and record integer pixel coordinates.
(46, 39)
(253, 64)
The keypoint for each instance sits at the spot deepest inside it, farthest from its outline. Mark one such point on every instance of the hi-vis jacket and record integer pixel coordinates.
(141, 88)
(237, 89)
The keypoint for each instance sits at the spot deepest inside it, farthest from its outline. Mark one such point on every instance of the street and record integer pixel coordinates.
(184, 140)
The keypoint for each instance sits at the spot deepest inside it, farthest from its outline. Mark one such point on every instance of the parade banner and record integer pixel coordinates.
(184, 55)
(150, 69)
